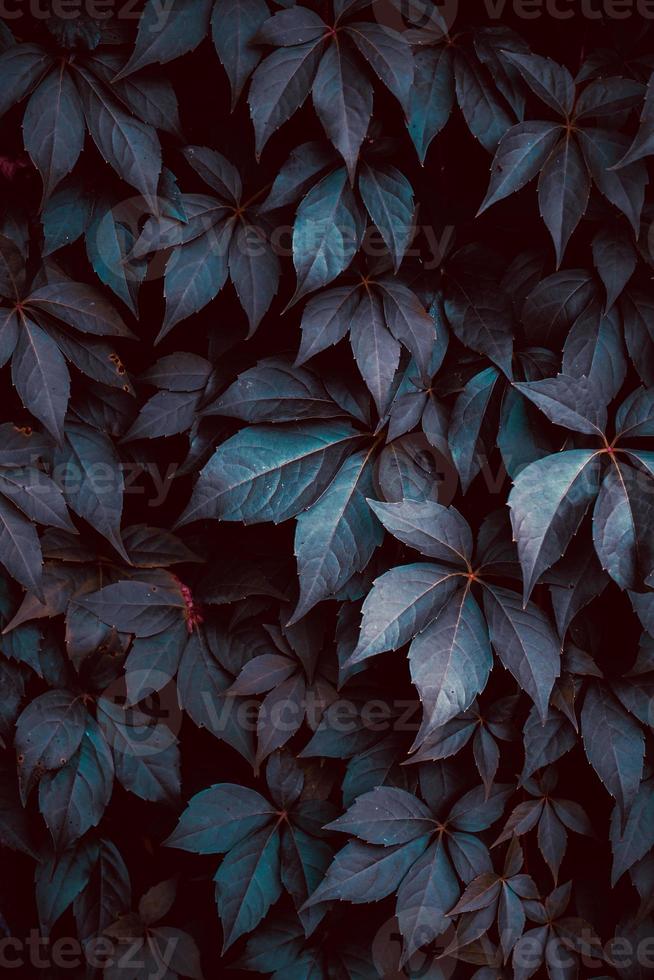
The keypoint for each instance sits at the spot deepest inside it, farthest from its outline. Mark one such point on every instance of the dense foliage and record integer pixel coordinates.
(376, 279)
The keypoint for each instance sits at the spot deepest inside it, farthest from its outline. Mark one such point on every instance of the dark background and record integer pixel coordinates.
(449, 188)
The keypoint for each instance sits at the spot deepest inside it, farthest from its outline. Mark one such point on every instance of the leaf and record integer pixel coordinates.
(614, 744)
(219, 818)
(74, 799)
(54, 128)
(327, 232)
(165, 414)
(195, 274)
(248, 883)
(521, 154)
(575, 403)
(638, 320)
(15, 831)
(165, 34)
(632, 842)
(93, 481)
(128, 145)
(59, 879)
(40, 375)
(275, 391)
(304, 863)
(146, 757)
(269, 473)
(216, 171)
(400, 604)
(388, 197)
(48, 733)
(366, 872)
(233, 26)
(387, 816)
(622, 515)
(107, 894)
(624, 188)
(326, 320)
(548, 502)
(136, 607)
(480, 316)
(375, 350)
(545, 742)
(389, 56)
(424, 897)
(12, 277)
(152, 662)
(337, 535)
(181, 371)
(432, 529)
(342, 98)
(279, 86)
(21, 68)
(525, 642)
(563, 190)
(552, 83)
(109, 246)
(466, 422)
(485, 114)
(554, 304)
(20, 549)
(615, 259)
(431, 97)
(81, 307)
(594, 349)
(202, 691)
(450, 661)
